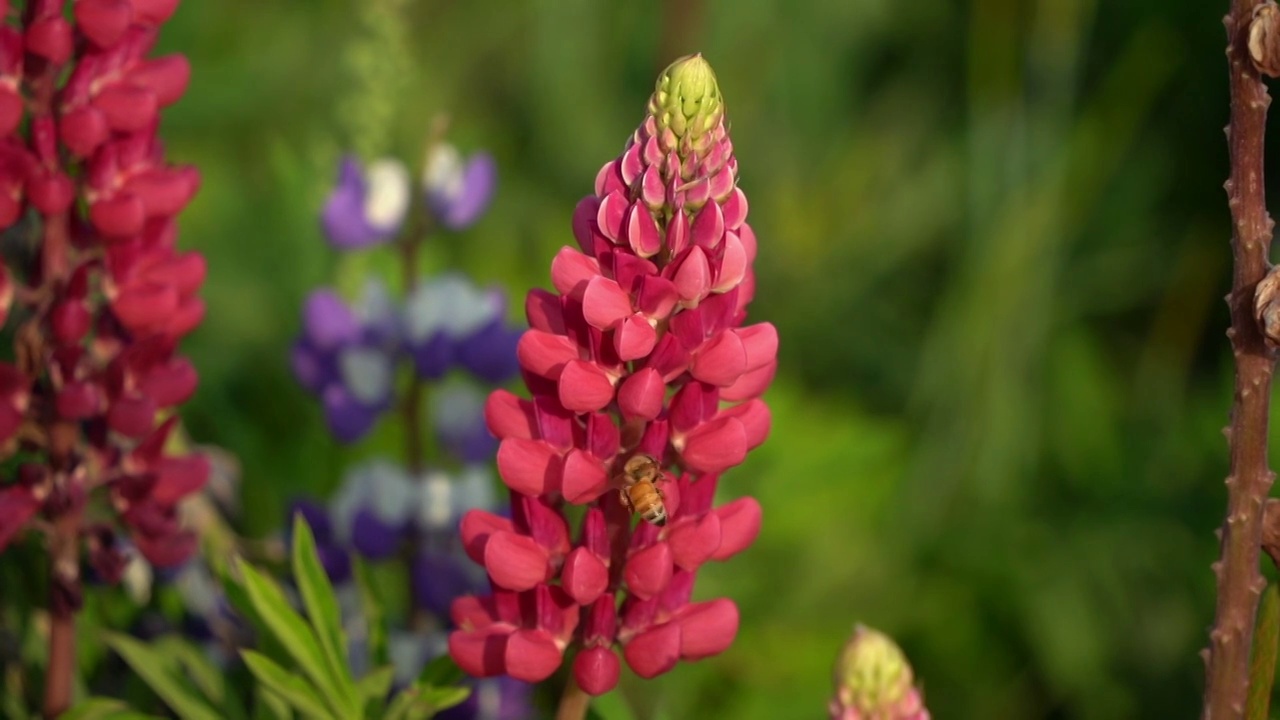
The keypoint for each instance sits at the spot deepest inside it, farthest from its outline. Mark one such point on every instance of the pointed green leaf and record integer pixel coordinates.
(321, 603)
(206, 676)
(374, 617)
(441, 672)
(293, 689)
(377, 684)
(1262, 671)
(443, 698)
(291, 630)
(162, 675)
(270, 706)
(95, 708)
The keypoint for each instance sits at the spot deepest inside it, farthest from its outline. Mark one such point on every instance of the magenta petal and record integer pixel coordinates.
(752, 384)
(471, 613)
(544, 354)
(532, 655)
(692, 404)
(584, 222)
(596, 670)
(17, 506)
(641, 395)
(732, 266)
(707, 628)
(739, 526)
(642, 231)
(630, 165)
(735, 209)
(652, 189)
(508, 416)
(480, 653)
(693, 542)
(604, 303)
(657, 296)
(669, 357)
(515, 562)
(611, 179)
(634, 338)
(584, 387)
(755, 418)
(677, 233)
(603, 436)
(693, 277)
(721, 361)
(476, 528)
(708, 226)
(655, 651)
(613, 207)
(571, 270)
(584, 478)
(544, 312)
(648, 571)
(716, 446)
(528, 466)
(761, 343)
(584, 576)
(601, 623)
(595, 533)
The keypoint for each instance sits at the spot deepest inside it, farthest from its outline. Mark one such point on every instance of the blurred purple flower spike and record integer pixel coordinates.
(450, 322)
(368, 206)
(457, 192)
(502, 698)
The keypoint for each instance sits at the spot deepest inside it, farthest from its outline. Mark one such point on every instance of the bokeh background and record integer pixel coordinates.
(992, 237)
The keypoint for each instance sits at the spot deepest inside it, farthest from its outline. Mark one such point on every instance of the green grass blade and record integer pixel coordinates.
(321, 604)
(374, 616)
(293, 689)
(161, 674)
(1262, 671)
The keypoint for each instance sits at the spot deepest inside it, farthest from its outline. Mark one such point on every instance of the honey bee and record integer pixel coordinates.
(639, 492)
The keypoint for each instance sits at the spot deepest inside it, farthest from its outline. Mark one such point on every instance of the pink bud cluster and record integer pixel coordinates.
(103, 306)
(641, 349)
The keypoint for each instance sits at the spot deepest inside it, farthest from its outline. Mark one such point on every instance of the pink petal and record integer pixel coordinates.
(603, 436)
(657, 296)
(748, 238)
(529, 466)
(707, 628)
(584, 576)
(693, 542)
(641, 395)
(642, 231)
(584, 478)
(693, 278)
(596, 670)
(544, 354)
(652, 190)
(480, 653)
(543, 311)
(476, 528)
(732, 266)
(601, 623)
(532, 655)
(613, 207)
(604, 303)
(715, 446)
(654, 651)
(179, 477)
(629, 166)
(751, 384)
(634, 338)
(17, 506)
(761, 343)
(585, 230)
(508, 416)
(721, 361)
(584, 387)
(739, 526)
(669, 357)
(678, 233)
(471, 613)
(708, 226)
(630, 270)
(571, 270)
(692, 405)
(735, 209)
(648, 571)
(516, 562)
(755, 418)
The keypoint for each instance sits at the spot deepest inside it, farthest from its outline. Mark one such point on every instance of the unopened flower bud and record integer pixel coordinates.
(1264, 38)
(686, 99)
(874, 681)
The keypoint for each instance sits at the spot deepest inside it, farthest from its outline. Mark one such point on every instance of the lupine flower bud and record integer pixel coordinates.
(641, 350)
(874, 681)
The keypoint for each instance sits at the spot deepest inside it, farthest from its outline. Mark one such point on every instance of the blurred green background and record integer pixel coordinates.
(992, 237)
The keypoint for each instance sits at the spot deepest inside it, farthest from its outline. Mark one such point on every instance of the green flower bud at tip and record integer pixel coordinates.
(872, 671)
(686, 99)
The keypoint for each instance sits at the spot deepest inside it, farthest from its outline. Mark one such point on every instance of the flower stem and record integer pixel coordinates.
(1239, 583)
(574, 701)
(64, 601)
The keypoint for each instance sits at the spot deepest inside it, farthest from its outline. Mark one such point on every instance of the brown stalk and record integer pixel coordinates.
(1240, 584)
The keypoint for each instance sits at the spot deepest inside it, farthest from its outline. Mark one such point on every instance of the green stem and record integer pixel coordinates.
(574, 701)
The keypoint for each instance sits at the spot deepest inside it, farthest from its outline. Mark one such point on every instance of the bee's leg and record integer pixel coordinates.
(626, 501)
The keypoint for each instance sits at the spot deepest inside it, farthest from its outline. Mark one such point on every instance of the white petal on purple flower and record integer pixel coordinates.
(387, 199)
(327, 321)
(382, 487)
(137, 578)
(346, 217)
(368, 374)
(459, 193)
(378, 313)
(448, 304)
(434, 502)
(473, 489)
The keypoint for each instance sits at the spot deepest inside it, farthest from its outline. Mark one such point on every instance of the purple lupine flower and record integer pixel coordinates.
(457, 414)
(346, 356)
(449, 322)
(373, 508)
(458, 192)
(368, 205)
(500, 698)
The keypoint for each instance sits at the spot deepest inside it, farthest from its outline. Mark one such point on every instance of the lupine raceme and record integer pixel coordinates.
(99, 307)
(874, 681)
(641, 349)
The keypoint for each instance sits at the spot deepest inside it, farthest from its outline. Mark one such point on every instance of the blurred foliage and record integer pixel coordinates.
(993, 240)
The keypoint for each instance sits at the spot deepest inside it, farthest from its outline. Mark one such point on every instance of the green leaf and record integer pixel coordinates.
(291, 630)
(293, 689)
(441, 672)
(376, 684)
(270, 706)
(374, 617)
(160, 673)
(443, 698)
(321, 604)
(95, 708)
(1262, 671)
(206, 676)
